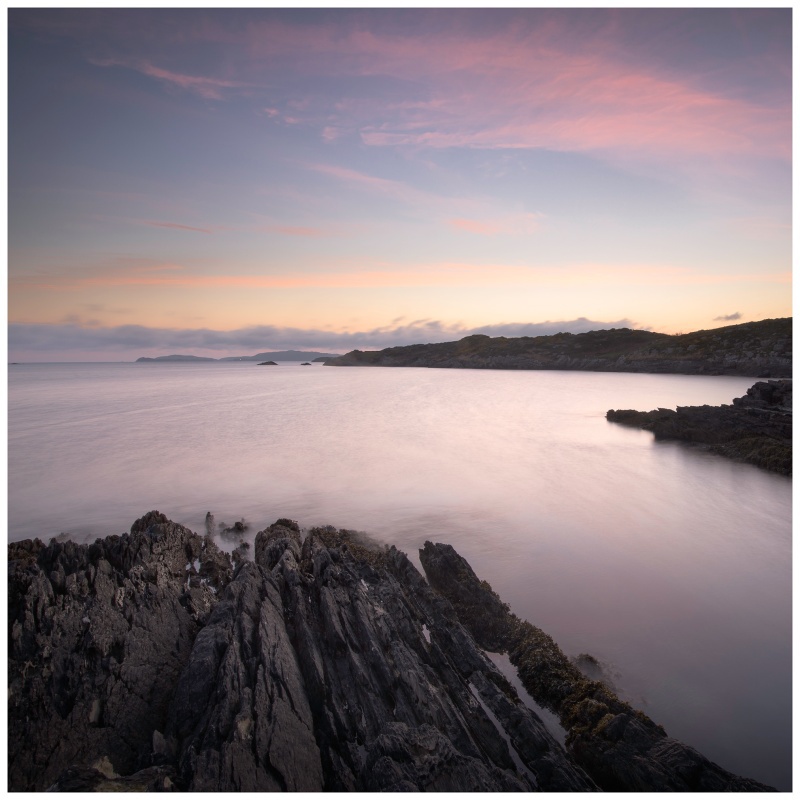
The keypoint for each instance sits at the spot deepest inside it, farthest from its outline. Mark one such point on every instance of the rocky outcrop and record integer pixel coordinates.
(756, 428)
(761, 349)
(621, 748)
(149, 661)
(98, 636)
(145, 661)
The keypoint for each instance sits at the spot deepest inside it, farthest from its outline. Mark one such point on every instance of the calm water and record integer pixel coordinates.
(671, 566)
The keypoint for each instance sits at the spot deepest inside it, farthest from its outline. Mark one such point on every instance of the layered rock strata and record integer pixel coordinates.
(620, 747)
(147, 661)
(756, 428)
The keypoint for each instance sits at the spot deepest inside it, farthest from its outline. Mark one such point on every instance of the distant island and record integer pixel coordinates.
(759, 349)
(278, 355)
(176, 358)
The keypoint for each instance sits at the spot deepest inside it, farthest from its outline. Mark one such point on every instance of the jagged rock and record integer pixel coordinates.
(768, 395)
(89, 779)
(327, 663)
(98, 635)
(240, 713)
(145, 662)
(392, 709)
(756, 428)
(619, 747)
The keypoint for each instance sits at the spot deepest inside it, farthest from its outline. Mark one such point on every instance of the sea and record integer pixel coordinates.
(669, 565)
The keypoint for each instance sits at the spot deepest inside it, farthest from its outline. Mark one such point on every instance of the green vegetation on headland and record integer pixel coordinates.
(761, 349)
(756, 429)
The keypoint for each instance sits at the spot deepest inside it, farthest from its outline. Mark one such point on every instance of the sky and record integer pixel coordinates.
(227, 182)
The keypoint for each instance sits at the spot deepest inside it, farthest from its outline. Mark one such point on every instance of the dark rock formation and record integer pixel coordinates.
(267, 364)
(761, 349)
(621, 748)
(98, 636)
(145, 662)
(756, 429)
(235, 531)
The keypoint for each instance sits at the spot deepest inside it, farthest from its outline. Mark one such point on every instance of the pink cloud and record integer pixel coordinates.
(294, 230)
(204, 86)
(392, 275)
(473, 226)
(396, 190)
(525, 88)
(512, 224)
(528, 85)
(176, 226)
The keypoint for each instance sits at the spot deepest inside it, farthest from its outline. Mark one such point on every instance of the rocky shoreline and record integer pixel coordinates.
(154, 661)
(759, 349)
(755, 429)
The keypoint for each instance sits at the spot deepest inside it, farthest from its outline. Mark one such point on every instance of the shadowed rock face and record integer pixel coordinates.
(756, 429)
(98, 636)
(145, 662)
(620, 748)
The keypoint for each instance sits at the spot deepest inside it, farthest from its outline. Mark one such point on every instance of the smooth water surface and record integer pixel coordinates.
(670, 565)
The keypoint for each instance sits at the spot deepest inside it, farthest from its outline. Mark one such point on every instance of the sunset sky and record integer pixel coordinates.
(228, 182)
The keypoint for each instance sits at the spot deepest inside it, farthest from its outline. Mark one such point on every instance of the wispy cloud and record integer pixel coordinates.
(511, 224)
(141, 340)
(728, 317)
(528, 87)
(476, 214)
(177, 226)
(304, 231)
(386, 187)
(121, 273)
(565, 79)
(207, 87)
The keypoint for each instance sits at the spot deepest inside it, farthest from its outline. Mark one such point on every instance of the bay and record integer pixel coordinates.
(668, 564)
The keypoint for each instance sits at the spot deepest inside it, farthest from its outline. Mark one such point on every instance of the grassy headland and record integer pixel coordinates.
(760, 349)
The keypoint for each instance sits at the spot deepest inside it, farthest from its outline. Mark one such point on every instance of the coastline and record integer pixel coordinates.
(756, 429)
(326, 662)
(752, 349)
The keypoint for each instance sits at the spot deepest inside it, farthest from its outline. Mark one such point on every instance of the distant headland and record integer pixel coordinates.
(278, 355)
(759, 349)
